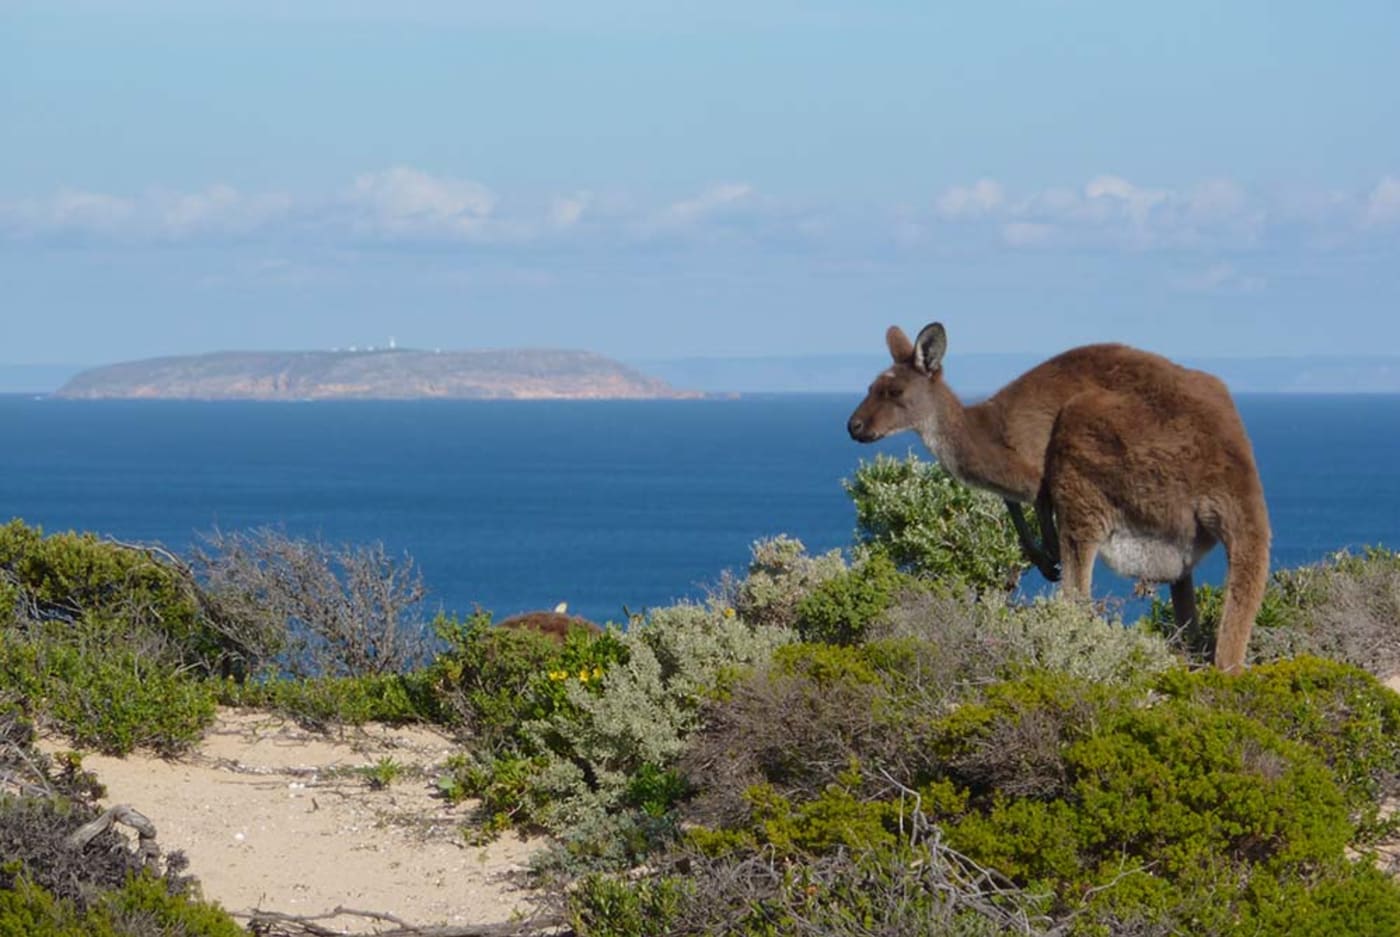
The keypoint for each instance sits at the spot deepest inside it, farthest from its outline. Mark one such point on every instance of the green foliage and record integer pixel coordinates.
(1069, 638)
(840, 609)
(143, 907)
(322, 702)
(780, 576)
(606, 906)
(827, 667)
(113, 700)
(1191, 802)
(934, 526)
(505, 784)
(1339, 712)
(492, 681)
(991, 637)
(643, 710)
(655, 790)
(383, 772)
(839, 818)
(594, 758)
(105, 592)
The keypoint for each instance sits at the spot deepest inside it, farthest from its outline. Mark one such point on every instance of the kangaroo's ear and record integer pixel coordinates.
(929, 347)
(901, 349)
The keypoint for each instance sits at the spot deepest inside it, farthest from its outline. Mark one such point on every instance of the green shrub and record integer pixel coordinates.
(113, 700)
(840, 609)
(597, 762)
(606, 906)
(322, 702)
(932, 525)
(105, 592)
(1338, 711)
(491, 681)
(1188, 802)
(646, 707)
(143, 907)
(780, 576)
(506, 785)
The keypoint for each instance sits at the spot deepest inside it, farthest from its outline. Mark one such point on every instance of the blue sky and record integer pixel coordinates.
(679, 179)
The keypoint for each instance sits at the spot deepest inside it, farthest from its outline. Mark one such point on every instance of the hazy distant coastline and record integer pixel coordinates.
(976, 374)
(385, 374)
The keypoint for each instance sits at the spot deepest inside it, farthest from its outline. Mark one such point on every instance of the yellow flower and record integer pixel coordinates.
(557, 675)
(729, 613)
(597, 673)
(583, 675)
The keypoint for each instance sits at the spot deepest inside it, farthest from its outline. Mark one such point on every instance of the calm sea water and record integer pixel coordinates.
(520, 505)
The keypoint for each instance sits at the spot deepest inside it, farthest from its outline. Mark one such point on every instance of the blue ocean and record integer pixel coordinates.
(516, 505)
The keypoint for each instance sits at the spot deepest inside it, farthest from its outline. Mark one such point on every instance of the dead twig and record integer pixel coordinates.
(278, 924)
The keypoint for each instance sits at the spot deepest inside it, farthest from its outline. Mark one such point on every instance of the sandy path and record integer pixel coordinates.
(275, 818)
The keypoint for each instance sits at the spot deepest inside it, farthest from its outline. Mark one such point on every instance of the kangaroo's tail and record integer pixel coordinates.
(1246, 543)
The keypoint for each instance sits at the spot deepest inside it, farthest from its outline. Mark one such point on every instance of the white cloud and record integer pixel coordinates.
(983, 197)
(404, 205)
(156, 215)
(568, 211)
(76, 209)
(1134, 202)
(68, 211)
(714, 199)
(406, 202)
(1110, 211)
(1383, 204)
(219, 208)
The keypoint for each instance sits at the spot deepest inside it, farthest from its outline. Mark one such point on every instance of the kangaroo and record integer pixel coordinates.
(1133, 457)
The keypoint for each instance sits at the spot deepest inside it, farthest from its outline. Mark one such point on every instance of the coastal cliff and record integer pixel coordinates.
(388, 374)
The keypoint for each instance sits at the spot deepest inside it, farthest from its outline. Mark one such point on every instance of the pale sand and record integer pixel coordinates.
(276, 818)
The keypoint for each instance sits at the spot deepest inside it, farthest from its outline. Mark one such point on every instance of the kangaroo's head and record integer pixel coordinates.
(900, 397)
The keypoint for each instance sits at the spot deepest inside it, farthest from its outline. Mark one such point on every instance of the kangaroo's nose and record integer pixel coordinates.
(855, 426)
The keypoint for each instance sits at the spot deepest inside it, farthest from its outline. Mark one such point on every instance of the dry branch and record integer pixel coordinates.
(277, 924)
(128, 816)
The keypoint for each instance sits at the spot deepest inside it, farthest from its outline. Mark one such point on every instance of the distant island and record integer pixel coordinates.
(384, 374)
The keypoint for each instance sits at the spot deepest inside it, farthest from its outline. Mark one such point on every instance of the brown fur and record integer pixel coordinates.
(1118, 443)
(553, 625)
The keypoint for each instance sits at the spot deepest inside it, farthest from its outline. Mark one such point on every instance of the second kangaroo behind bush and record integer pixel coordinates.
(1136, 458)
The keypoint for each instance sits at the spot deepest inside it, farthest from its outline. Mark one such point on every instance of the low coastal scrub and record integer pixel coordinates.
(1159, 805)
(878, 742)
(585, 742)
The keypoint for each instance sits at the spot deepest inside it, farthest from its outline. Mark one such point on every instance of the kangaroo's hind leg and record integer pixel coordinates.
(1188, 620)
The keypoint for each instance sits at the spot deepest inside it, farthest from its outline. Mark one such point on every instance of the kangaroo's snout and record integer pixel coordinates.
(860, 431)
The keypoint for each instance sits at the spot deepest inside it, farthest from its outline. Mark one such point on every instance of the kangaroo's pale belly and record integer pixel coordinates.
(1140, 555)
